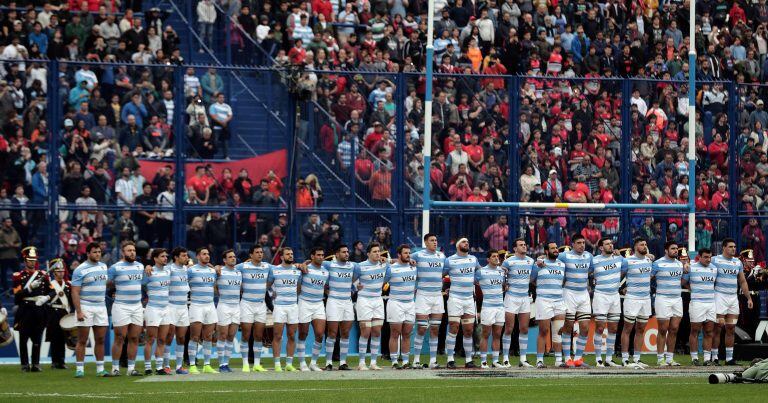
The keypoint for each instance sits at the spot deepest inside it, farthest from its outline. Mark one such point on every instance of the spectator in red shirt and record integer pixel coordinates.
(720, 198)
(323, 7)
(200, 182)
(275, 183)
(718, 151)
(297, 54)
(574, 195)
(475, 152)
(460, 190)
(591, 234)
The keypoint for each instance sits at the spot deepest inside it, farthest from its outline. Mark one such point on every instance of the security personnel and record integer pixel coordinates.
(60, 294)
(30, 290)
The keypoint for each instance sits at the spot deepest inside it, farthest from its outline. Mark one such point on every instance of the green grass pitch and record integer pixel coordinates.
(548, 385)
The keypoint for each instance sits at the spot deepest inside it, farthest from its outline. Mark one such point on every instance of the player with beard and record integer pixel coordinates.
(429, 298)
(228, 283)
(636, 270)
(668, 272)
(126, 277)
(156, 315)
(339, 310)
(253, 308)
(460, 267)
(369, 281)
(286, 280)
(548, 277)
(401, 309)
(89, 286)
(700, 279)
(606, 304)
(491, 279)
(202, 311)
(576, 297)
(730, 277)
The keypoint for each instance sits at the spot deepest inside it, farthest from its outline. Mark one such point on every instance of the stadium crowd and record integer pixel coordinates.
(569, 123)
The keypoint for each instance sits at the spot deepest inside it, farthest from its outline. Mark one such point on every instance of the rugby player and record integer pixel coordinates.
(311, 308)
(401, 308)
(517, 304)
(228, 284)
(576, 297)
(460, 267)
(125, 277)
(339, 310)
(253, 308)
(730, 277)
(636, 269)
(156, 315)
(286, 280)
(369, 281)
(668, 272)
(548, 277)
(606, 304)
(429, 298)
(202, 311)
(178, 296)
(700, 280)
(491, 280)
(89, 289)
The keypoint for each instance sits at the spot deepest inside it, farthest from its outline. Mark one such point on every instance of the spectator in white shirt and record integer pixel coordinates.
(124, 189)
(206, 16)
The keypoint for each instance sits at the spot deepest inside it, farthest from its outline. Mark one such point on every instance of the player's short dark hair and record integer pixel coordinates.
(316, 249)
(372, 245)
(551, 242)
(127, 243)
(705, 250)
(177, 251)
(429, 235)
(227, 252)
(726, 241)
(202, 248)
(91, 246)
(492, 252)
(669, 244)
(403, 247)
(602, 240)
(342, 246)
(516, 240)
(284, 249)
(576, 237)
(253, 248)
(157, 252)
(637, 241)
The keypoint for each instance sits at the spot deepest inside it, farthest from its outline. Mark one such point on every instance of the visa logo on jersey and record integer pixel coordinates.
(495, 281)
(609, 267)
(233, 282)
(165, 283)
(581, 265)
(343, 274)
(732, 272)
(555, 272)
(707, 278)
(100, 277)
(133, 277)
(207, 279)
(435, 264)
(288, 282)
(408, 278)
(675, 274)
(524, 272)
(467, 270)
(257, 276)
(315, 281)
(376, 276)
(644, 270)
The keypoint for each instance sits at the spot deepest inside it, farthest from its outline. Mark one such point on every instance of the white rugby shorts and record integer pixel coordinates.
(492, 316)
(700, 311)
(461, 306)
(203, 313)
(605, 304)
(549, 308)
(253, 312)
(369, 308)
(179, 315)
(124, 314)
(401, 311)
(636, 307)
(726, 304)
(576, 301)
(156, 316)
(309, 311)
(337, 310)
(228, 314)
(668, 307)
(517, 305)
(94, 315)
(286, 314)
(429, 304)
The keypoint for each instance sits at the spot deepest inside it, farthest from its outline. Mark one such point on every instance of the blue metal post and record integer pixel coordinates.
(293, 219)
(626, 164)
(733, 177)
(179, 137)
(513, 154)
(400, 170)
(54, 174)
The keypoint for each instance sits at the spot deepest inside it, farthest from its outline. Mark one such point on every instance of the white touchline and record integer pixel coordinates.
(115, 395)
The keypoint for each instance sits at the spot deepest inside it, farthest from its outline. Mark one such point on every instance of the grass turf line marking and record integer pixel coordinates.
(117, 395)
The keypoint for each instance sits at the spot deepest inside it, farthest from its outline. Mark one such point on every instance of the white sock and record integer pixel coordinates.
(257, 346)
(506, 341)
(522, 340)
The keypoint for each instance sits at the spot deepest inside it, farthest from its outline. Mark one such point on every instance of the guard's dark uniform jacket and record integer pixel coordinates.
(30, 319)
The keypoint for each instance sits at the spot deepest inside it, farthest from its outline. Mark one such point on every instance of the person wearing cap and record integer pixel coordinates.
(461, 302)
(30, 290)
(60, 294)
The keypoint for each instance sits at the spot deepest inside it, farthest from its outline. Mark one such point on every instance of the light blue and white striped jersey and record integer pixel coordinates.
(491, 280)
(607, 273)
(518, 275)
(728, 270)
(576, 269)
(285, 282)
(461, 269)
(127, 278)
(179, 290)
(340, 279)
(549, 279)
(638, 273)
(402, 282)
(254, 280)
(668, 273)
(702, 281)
(201, 282)
(229, 283)
(313, 283)
(371, 276)
(158, 286)
(92, 280)
(429, 266)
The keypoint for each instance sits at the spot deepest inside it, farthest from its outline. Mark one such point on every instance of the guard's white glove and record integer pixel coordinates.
(42, 300)
(35, 284)
(4, 312)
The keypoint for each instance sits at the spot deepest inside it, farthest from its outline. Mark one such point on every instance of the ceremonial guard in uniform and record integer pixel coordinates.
(60, 293)
(30, 289)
